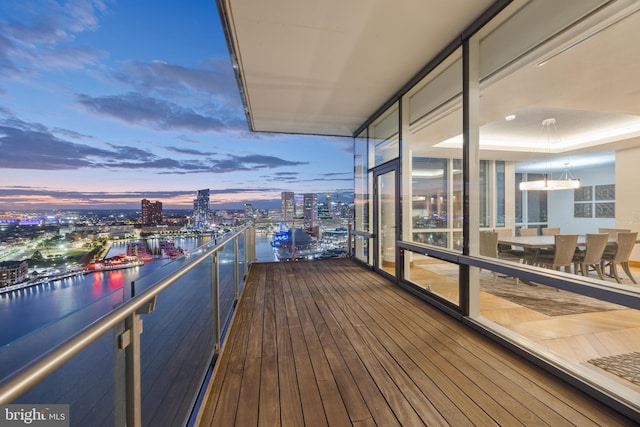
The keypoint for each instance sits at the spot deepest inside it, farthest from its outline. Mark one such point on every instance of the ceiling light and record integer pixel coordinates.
(566, 182)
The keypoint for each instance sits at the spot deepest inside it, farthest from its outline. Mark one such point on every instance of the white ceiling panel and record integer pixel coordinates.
(324, 67)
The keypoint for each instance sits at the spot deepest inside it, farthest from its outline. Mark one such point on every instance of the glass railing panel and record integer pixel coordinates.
(28, 347)
(227, 264)
(177, 348)
(85, 383)
(170, 266)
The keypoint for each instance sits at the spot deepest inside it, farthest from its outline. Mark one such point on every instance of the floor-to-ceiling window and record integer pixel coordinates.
(556, 105)
(361, 197)
(384, 150)
(432, 177)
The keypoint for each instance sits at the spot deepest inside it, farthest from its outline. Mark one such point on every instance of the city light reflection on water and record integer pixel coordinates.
(28, 309)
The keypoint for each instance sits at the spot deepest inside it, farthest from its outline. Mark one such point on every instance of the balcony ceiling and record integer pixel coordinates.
(324, 67)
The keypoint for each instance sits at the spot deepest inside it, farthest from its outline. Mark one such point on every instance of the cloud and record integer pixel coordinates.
(38, 149)
(42, 36)
(231, 163)
(189, 151)
(214, 78)
(88, 197)
(33, 146)
(135, 108)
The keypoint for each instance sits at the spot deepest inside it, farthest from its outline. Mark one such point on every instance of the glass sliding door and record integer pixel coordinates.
(386, 208)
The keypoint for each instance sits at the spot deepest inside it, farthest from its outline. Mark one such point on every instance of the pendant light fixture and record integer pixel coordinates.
(566, 182)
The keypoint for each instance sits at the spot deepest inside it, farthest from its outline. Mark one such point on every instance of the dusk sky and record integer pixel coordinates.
(104, 103)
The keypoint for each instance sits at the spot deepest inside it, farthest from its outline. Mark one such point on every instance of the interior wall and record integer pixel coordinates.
(560, 204)
(627, 183)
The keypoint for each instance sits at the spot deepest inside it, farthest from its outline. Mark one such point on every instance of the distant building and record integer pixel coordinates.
(151, 212)
(310, 213)
(12, 272)
(288, 206)
(249, 212)
(201, 209)
(298, 206)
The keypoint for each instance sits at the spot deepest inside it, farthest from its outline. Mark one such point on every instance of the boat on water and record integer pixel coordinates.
(140, 250)
(299, 244)
(169, 248)
(117, 262)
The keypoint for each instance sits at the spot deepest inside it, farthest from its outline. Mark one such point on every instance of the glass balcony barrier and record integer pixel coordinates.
(141, 354)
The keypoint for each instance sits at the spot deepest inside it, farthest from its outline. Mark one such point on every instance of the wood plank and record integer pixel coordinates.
(310, 398)
(290, 402)
(337, 344)
(333, 404)
(521, 376)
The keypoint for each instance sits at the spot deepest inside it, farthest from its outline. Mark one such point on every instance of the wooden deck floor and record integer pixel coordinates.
(332, 343)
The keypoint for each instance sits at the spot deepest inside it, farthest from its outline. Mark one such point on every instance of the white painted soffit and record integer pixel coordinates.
(324, 67)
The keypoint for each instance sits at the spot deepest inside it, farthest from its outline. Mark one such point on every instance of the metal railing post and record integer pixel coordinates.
(215, 302)
(252, 247)
(130, 340)
(236, 278)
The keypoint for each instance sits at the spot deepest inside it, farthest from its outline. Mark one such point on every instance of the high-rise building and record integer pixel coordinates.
(310, 213)
(201, 208)
(249, 212)
(298, 206)
(151, 212)
(288, 206)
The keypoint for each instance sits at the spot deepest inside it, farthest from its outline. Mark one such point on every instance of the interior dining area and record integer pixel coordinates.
(517, 180)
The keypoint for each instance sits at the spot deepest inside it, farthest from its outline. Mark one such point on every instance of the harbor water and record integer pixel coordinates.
(27, 310)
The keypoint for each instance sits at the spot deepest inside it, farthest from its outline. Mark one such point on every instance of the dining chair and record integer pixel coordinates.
(562, 254)
(529, 255)
(592, 255)
(613, 232)
(509, 249)
(550, 231)
(489, 248)
(528, 231)
(625, 244)
(610, 249)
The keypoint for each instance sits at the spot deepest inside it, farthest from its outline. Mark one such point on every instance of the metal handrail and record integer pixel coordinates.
(20, 381)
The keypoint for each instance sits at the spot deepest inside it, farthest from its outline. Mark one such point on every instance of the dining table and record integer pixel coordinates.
(538, 242)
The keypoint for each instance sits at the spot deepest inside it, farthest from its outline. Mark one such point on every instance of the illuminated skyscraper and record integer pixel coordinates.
(151, 213)
(288, 206)
(201, 208)
(310, 213)
(249, 212)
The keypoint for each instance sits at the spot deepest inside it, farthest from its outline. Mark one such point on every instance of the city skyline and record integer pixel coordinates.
(105, 103)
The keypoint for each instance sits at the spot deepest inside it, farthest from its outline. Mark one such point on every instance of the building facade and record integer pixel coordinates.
(201, 209)
(151, 212)
(288, 206)
(310, 214)
(12, 272)
(458, 105)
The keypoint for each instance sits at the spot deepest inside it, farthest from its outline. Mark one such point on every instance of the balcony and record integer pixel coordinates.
(325, 342)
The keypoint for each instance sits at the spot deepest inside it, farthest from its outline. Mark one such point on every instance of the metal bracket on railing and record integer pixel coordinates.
(124, 339)
(148, 307)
